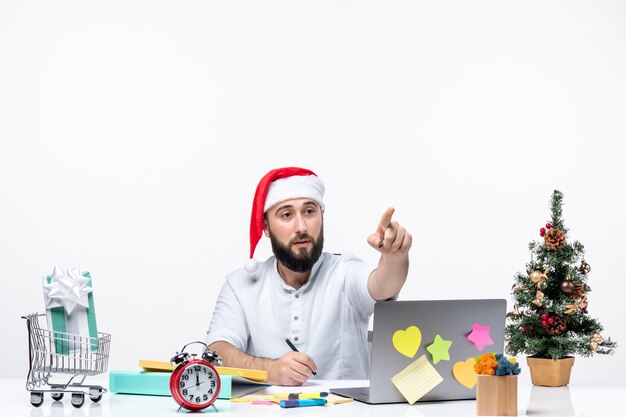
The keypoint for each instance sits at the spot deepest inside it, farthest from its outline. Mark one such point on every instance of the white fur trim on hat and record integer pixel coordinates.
(251, 265)
(297, 186)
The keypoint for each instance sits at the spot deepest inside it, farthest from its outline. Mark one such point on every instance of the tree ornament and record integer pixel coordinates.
(544, 316)
(539, 278)
(538, 301)
(554, 239)
(567, 287)
(579, 291)
(557, 327)
(516, 288)
(578, 306)
(548, 226)
(595, 340)
(544, 323)
(542, 232)
(585, 268)
(513, 313)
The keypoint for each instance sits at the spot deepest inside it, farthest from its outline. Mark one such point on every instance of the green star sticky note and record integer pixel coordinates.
(439, 349)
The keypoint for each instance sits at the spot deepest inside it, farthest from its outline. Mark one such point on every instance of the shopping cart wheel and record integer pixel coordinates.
(95, 393)
(57, 396)
(36, 398)
(78, 399)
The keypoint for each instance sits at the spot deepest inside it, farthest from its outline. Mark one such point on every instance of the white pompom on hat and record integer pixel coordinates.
(276, 186)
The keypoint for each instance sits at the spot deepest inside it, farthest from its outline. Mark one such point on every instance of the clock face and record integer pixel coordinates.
(198, 384)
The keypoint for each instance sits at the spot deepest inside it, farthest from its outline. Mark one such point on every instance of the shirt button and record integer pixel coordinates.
(295, 317)
(295, 339)
(297, 295)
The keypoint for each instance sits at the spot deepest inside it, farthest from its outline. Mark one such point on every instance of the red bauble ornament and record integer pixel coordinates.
(523, 329)
(548, 225)
(551, 320)
(542, 232)
(544, 323)
(544, 316)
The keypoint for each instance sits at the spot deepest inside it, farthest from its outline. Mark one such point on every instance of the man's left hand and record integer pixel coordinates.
(390, 238)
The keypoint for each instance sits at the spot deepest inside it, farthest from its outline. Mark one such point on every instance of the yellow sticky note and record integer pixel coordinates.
(407, 341)
(156, 366)
(333, 399)
(417, 379)
(251, 399)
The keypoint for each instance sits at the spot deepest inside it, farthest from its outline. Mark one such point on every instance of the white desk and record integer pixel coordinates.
(535, 401)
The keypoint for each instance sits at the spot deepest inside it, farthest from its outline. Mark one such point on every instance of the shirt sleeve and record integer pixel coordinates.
(228, 323)
(357, 275)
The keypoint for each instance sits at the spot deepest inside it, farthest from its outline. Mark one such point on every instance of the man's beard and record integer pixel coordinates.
(303, 261)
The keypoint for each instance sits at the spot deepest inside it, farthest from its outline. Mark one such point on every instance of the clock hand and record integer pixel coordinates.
(206, 380)
(197, 379)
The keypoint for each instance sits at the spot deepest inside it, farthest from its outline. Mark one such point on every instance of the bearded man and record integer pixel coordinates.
(319, 301)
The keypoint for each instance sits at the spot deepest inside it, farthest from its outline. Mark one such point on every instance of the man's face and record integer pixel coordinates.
(296, 230)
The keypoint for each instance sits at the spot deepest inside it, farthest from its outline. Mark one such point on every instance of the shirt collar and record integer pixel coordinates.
(314, 270)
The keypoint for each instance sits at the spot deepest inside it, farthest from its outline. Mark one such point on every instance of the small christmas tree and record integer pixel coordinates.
(550, 317)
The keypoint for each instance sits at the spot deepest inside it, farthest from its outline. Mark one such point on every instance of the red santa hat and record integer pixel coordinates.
(276, 186)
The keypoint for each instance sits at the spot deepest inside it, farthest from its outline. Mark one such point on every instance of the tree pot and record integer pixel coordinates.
(550, 372)
(496, 395)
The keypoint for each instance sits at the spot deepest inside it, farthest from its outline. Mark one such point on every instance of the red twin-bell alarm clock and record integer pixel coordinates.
(195, 384)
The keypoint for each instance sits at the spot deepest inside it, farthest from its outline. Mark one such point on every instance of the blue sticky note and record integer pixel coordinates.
(302, 403)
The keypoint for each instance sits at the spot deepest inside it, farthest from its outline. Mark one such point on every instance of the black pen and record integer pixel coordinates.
(295, 349)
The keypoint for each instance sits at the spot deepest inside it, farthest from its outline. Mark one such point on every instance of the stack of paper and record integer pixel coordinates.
(251, 374)
(155, 380)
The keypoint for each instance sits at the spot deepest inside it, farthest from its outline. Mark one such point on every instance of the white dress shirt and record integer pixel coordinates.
(327, 318)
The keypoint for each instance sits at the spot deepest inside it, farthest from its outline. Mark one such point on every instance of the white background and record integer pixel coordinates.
(133, 134)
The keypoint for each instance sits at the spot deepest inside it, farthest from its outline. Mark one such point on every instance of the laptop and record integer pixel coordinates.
(452, 320)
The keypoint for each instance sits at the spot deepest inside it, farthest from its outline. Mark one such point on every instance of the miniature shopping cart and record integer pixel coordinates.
(51, 352)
